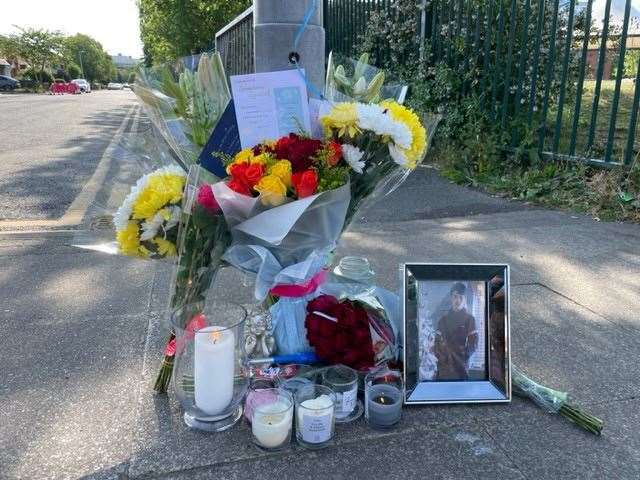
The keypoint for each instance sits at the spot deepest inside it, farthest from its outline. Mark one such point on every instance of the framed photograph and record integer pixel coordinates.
(456, 333)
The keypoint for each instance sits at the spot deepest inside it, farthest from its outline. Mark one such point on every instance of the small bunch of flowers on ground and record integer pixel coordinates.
(147, 221)
(292, 167)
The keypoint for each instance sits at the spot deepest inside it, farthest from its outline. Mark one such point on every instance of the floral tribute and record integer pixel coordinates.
(339, 332)
(147, 221)
(291, 167)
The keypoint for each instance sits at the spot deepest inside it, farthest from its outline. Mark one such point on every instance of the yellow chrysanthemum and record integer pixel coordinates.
(129, 240)
(343, 119)
(282, 170)
(161, 189)
(165, 247)
(272, 191)
(406, 116)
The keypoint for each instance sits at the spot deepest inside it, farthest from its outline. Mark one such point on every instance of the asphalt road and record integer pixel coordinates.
(50, 147)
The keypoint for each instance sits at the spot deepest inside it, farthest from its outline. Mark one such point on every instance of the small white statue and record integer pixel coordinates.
(259, 341)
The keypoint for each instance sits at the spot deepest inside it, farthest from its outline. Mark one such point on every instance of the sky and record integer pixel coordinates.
(114, 23)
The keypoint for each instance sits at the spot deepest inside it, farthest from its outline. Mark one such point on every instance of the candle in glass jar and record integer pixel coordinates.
(383, 405)
(214, 367)
(271, 424)
(316, 419)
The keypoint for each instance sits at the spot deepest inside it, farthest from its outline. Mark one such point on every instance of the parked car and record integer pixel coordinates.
(114, 86)
(8, 83)
(83, 84)
(126, 85)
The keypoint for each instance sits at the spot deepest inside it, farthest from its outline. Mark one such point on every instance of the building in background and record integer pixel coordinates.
(124, 61)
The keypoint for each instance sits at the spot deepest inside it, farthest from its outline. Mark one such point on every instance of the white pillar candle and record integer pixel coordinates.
(214, 367)
(271, 424)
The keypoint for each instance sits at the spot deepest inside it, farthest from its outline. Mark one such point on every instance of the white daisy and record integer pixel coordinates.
(353, 156)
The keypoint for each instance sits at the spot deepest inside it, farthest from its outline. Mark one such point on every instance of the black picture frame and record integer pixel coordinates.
(495, 386)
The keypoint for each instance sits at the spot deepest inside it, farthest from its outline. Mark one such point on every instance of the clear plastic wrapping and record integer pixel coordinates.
(185, 101)
(546, 398)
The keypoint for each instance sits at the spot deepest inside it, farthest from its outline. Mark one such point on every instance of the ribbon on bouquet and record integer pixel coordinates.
(176, 345)
(300, 290)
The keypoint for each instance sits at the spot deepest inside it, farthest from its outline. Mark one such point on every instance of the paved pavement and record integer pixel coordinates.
(83, 332)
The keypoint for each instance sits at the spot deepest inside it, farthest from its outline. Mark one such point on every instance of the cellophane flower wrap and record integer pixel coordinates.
(160, 203)
(288, 200)
(184, 101)
(203, 237)
(351, 332)
(285, 203)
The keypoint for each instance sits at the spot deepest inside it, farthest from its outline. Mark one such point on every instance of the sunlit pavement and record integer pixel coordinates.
(83, 334)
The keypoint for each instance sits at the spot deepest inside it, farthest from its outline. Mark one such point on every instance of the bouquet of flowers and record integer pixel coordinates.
(287, 201)
(170, 212)
(349, 332)
(554, 401)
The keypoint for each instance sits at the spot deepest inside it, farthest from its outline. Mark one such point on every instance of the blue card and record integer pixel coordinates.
(225, 139)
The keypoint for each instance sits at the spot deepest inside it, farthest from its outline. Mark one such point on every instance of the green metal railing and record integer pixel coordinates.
(540, 68)
(235, 44)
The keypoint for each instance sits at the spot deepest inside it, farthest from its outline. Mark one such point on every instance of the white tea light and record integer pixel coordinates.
(214, 359)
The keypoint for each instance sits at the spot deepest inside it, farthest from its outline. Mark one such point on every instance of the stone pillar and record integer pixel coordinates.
(275, 24)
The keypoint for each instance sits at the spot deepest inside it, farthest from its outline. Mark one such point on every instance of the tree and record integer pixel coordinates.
(175, 28)
(41, 48)
(9, 47)
(95, 64)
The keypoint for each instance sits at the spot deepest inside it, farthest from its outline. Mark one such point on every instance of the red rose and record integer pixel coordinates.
(321, 303)
(334, 153)
(253, 174)
(239, 186)
(298, 150)
(305, 183)
(206, 198)
(238, 171)
(347, 315)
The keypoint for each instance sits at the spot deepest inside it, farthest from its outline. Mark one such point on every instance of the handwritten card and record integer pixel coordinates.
(270, 105)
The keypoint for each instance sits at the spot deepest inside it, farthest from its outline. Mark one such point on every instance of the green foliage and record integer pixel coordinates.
(96, 64)
(631, 63)
(35, 75)
(41, 48)
(172, 29)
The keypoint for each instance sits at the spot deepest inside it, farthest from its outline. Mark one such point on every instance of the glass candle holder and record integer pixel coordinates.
(295, 376)
(258, 392)
(383, 397)
(344, 382)
(210, 377)
(315, 416)
(272, 419)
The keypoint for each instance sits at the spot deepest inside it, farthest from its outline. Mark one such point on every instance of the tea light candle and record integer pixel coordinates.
(214, 366)
(271, 424)
(383, 405)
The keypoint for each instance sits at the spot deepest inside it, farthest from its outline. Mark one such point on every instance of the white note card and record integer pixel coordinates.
(270, 105)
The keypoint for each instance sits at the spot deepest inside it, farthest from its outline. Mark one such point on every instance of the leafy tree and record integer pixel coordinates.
(132, 78)
(176, 28)
(9, 47)
(96, 64)
(41, 48)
